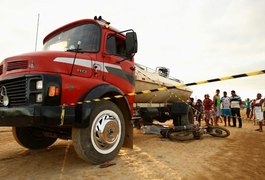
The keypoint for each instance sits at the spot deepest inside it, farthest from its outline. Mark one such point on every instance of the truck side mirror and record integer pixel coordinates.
(131, 43)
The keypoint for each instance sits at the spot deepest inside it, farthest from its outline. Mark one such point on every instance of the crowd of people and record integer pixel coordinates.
(223, 109)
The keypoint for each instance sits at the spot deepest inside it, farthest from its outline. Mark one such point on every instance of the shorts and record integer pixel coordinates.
(226, 112)
(217, 112)
(208, 114)
(258, 114)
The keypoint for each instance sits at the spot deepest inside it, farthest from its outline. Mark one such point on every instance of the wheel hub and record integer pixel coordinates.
(107, 131)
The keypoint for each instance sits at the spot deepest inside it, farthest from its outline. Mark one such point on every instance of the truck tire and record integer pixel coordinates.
(190, 115)
(103, 138)
(32, 138)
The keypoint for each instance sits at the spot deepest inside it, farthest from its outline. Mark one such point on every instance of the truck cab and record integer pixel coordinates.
(76, 88)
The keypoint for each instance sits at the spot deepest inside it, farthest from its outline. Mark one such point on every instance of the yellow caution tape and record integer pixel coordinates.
(174, 87)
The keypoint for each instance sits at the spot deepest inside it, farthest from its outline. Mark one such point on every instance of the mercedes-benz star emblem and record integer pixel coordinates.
(3, 96)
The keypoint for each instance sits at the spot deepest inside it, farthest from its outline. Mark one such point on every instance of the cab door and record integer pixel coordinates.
(118, 70)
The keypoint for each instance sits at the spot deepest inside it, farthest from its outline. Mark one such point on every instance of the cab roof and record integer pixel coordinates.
(76, 23)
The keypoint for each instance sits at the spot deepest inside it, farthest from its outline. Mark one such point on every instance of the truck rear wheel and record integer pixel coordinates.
(103, 138)
(190, 115)
(32, 138)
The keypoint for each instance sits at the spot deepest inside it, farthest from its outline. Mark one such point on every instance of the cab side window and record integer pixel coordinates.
(116, 46)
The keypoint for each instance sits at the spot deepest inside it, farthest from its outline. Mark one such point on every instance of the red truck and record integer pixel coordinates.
(76, 88)
(82, 87)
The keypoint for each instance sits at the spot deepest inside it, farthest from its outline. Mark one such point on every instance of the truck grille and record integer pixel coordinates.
(14, 65)
(16, 91)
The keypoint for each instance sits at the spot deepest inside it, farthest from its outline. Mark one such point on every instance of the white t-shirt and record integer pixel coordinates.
(225, 102)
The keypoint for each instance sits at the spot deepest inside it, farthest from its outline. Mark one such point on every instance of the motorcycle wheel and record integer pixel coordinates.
(217, 131)
(181, 136)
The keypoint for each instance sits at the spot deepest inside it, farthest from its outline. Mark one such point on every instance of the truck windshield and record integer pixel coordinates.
(87, 34)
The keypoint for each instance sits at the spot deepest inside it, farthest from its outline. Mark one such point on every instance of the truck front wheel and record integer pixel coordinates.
(32, 138)
(103, 138)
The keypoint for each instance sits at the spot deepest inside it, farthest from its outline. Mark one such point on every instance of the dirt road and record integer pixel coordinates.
(240, 156)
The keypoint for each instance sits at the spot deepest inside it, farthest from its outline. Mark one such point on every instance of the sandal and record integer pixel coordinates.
(107, 164)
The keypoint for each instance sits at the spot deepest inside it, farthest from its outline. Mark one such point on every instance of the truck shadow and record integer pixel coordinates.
(52, 162)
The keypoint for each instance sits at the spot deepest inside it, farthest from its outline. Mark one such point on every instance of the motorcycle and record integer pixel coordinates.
(193, 132)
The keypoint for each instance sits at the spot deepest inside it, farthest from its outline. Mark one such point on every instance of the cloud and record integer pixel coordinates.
(197, 40)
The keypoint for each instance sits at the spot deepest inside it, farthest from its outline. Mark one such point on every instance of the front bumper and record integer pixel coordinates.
(36, 115)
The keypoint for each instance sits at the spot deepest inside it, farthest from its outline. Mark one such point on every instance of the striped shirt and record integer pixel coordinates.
(235, 101)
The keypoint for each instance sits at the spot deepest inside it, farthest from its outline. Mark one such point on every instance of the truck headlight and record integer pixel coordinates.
(39, 84)
(39, 98)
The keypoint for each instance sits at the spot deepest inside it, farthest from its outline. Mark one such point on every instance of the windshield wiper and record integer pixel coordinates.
(75, 50)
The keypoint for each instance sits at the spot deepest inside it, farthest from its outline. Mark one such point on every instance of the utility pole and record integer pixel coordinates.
(37, 32)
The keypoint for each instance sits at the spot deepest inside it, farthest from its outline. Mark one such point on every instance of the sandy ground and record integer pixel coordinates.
(240, 156)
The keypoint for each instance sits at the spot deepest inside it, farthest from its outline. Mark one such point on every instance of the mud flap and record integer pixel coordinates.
(128, 139)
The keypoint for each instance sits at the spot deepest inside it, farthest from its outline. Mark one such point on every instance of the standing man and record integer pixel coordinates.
(247, 103)
(258, 111)
(226, 111)
(263, 108)
(199, 110)
(207, 106)
(217, 107)
(236, 101)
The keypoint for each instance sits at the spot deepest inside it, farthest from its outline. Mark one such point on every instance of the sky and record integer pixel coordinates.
(196, 39)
